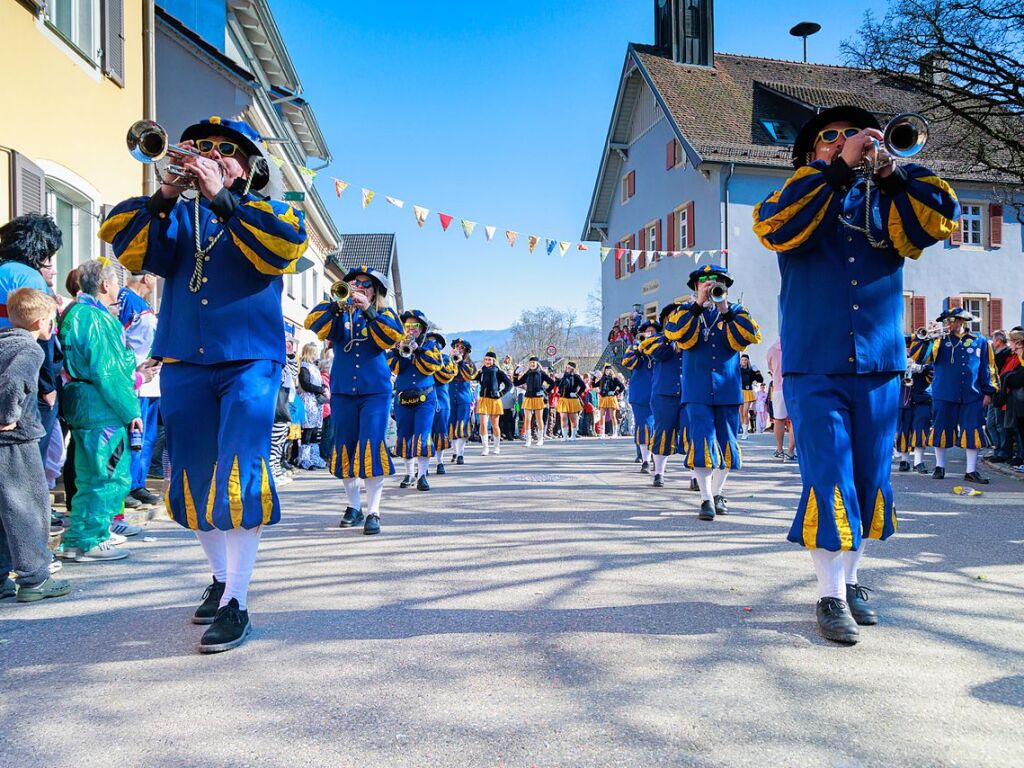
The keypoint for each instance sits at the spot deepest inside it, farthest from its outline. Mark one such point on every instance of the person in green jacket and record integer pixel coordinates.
(100, 406)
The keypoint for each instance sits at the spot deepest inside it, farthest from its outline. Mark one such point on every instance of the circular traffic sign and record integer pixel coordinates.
(552, 350)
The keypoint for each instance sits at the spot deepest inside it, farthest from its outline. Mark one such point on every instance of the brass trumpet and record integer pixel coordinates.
(406, 347)
(718, 292)
(341, 293)
(148, 143)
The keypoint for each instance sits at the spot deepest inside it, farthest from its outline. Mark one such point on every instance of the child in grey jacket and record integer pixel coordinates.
(24, 499)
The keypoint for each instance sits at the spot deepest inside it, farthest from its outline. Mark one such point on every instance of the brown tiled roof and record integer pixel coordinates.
(718, 109)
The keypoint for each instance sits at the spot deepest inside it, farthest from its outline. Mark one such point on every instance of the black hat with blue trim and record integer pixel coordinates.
(652, 324)
(436, 336)
(419, 317)
(956, 313)
(378, 277)
(806, 138)
(721, 274)
(242, 134)
(465, 345)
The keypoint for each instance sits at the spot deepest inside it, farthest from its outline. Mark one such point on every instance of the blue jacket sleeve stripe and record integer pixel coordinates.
(683, 327)
(126, 229)
(270, 235)
(321, 320)
(789, 218)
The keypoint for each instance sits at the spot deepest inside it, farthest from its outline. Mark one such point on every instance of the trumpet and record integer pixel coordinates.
(406, 347)
(718, 292)
(456, 357)
(931, 332)
(148, 143)
(341, 293)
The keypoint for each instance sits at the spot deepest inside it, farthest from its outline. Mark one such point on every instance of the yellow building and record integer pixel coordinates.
(73, 81)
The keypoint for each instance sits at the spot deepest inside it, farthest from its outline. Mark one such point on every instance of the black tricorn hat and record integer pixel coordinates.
(804, 143)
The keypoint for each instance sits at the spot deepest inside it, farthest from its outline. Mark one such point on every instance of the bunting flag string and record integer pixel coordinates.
(605, 250)
(563, 247)
(367, 196)
(446, 220)
(339, 187)
(421, 214)
(550, 245)
(489, 232)
(511, 237)
(468, 227)
(532, 241)
(395, 201)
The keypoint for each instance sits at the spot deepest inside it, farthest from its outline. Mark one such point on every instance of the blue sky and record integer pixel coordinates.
(494, 112)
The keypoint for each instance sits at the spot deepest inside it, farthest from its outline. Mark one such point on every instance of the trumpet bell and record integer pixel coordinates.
(906, 134)
(147, 141)
(341, 292)
(718, 292)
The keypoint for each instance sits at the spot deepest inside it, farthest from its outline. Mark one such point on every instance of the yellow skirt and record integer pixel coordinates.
(534, 404)
(489, 406)
(569, 405)
(748, 396)
(610, 402)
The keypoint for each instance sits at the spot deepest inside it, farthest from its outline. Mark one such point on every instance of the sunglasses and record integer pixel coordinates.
(225, 148)
(831, 135)
(361, 283)
(707, 279)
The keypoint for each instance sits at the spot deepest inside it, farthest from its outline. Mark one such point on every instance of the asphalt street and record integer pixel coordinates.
(546, 607)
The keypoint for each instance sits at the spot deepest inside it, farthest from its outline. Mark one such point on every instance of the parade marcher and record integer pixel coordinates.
(537, 383)
(570, 388)
(843, 354)
(414, 362)
(749, 376)
(712, 334)
(221, 337)
(965, 381)
(314, 395)
(100, 406)
(668, 435)
(442, 429)
(362, 331)
(461, 393)
(609, 389)
(915, 414)
(640, 382)
(494, 383)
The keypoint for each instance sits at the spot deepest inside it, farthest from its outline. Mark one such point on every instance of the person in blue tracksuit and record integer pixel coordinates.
(915, 415)
(965, 381)
(841, 247)
(361, 330)
(712, 335)
(461, 392)
(221, 338)
(442, 429)
(414, 362)
(668, 436)
(640, 381)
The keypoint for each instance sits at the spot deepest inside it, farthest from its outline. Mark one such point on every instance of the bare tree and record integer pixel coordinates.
(966, 57)
(538, 329)
(593, 313)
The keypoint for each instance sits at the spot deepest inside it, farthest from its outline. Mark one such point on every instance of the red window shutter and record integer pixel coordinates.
(641, 238)
(995, 226)
(629, 256)
(632, 183)
(670, 221)
(657, 240)
(691, 228)
(618, 264)
(918, 313)
(995, 315)
(957, 238)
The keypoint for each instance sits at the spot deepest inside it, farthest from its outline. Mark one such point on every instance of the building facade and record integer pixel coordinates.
(698, 139)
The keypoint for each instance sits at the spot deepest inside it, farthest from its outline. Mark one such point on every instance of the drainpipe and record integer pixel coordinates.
(148, 82)
(725, 239)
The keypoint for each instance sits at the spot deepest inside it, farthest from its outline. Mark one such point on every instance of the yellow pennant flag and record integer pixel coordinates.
(532, 240)
(421, 214)
(309, 173)
(278, 161)
(563, 246)
(468, 227)
(511, 236)
(367, 196)
(605, 250)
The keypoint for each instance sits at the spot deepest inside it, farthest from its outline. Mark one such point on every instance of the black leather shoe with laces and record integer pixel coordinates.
(645, 468)
(707, 511)
(460, 460)
(835, 622)
(422, 484)
(406, 482)
(372, 525)
(939, 473)
(857, 599)
(921, 469)
(351, 518)
(659, 482)
(904, 466)
(694, 485)
(229, 629)
(207, 610)
(977, 479)
(721, 505)
(441, 470)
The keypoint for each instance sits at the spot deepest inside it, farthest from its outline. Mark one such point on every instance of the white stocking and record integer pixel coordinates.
(919, 456)
(659, 464)
(972, 460)
(440, 458)
(851, 562)
(423, 464)
(352, 492)
(940, 457)
(242, 545)
(374, 489)
(831, 575)
(215, 549)
(645, 454)
(905, 456)
(703, 475)
(718, 479)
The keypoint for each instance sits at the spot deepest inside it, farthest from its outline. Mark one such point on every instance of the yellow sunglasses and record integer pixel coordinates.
(225, 148)
(831, 135)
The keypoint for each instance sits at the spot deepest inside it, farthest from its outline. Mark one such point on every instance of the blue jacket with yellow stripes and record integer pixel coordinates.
(712, 342)
(841, 299)
(666, 375)
(443, 377)
(416, 372)
(236, 313)
(360, 364)
(461, 388)
(641, 377)
(965, 368)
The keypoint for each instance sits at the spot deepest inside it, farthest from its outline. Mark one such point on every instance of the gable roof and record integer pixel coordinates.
(370, 250)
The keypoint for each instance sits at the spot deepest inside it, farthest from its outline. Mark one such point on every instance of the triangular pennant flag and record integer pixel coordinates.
(605, 250)
(563, 246)
(340, 186)
(489, 231)
(468, 227)
(725, 251)
(532, 240)
(581, 247)
(511, 237)
(421, 214)
(619, 253)
(662, 254)
(395, 201)
(278, 161)
(309, 173)
(445, 220)
(688, 254)
(634, 256)
(550, 245)
(367, 196)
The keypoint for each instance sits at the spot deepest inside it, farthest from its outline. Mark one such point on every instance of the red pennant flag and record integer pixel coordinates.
(445, 220)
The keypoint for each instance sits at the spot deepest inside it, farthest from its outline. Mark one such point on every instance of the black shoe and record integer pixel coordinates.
(996, 459)
(921, 468)
(974, 477)
(694, 485)
(422, 484)
(721, 505)
(145, 496)
(351, 518)
(441, 470)
(130, 502)
(835, 622)
(228, 630)
(207, 610)
(904, 466)
(857, 599)
(637, 460)
(460, 460)
(645, 468)
(939, 473)
(659, 482)
(707, 511)
(372, 525)
(406, 482)
(7, 588)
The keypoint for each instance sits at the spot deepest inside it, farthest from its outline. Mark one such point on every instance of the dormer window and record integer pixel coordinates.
(780, 131)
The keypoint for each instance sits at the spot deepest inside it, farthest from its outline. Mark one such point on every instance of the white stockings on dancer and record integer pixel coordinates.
(972, 459)
(718, 478)
(422, 466)
(659, 464)
(918, 456)
(233, 554)
(836, 569)
(459, 446)
(440, 457)
(352, 492)
(851, 562)
(940, 457)
(703, 475)
(374, 489)
(645, 454)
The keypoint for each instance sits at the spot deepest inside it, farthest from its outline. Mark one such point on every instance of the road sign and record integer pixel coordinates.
(552, 350)
(294, 197)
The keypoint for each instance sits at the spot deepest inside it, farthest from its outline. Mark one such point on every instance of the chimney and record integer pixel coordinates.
(685, 29)
(933, 68)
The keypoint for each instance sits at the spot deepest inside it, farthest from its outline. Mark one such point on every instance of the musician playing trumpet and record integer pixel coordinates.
(362, 328)
(462, 398)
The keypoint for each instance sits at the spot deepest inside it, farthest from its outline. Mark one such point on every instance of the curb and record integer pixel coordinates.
(1004, 470)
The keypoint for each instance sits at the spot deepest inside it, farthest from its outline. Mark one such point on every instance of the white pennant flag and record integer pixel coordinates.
(489, 231)
(395, 201)
(563, 247)
(634, 257)
(420, 213)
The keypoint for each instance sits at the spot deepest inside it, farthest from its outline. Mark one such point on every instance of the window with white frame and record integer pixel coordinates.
(977, 306)
(305, 289)
(76, 21)
(908, 312)
(73, 213)
(682, 221)
(316, 287)
(972, 222)
(627, 187)
(652, 238)
(651, 311)
(627, 261)
(291, 286)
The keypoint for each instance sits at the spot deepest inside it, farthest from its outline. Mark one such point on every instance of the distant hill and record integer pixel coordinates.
(481, 340)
